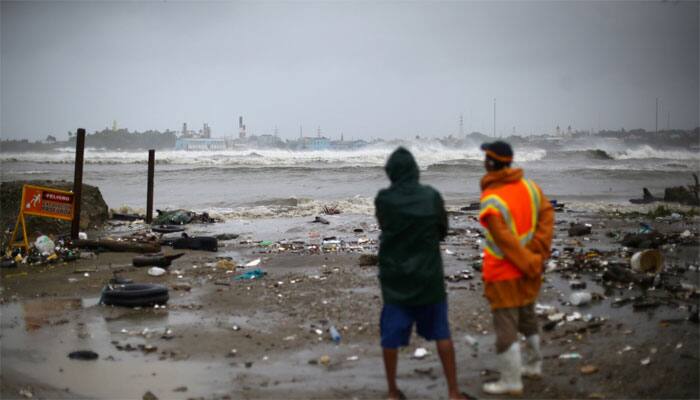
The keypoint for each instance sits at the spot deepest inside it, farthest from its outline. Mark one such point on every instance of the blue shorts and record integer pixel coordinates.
(396, 323)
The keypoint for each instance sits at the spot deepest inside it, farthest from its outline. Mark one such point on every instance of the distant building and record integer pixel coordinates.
(311, 143)
(200, 144)
(320, 143)
(241, 128)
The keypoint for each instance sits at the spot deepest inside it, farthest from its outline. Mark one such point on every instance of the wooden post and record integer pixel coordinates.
(78, 182)
(149, 192)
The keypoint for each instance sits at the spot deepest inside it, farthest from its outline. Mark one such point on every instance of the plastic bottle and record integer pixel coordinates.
(580, 298)
(471, 340)
(335, 335)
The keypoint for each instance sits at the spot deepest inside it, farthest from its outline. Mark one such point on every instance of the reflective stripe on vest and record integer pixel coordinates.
(496, 202)
(522, 194)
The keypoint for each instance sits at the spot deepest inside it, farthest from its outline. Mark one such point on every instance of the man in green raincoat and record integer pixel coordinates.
(413, 221)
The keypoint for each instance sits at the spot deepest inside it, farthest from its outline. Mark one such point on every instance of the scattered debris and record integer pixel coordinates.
(580, 298)
(85, 355)
(569, 356)
(647, 261)
(149, 396)
(253, 263)
(180, 217)
(367, 260)
(249, 275)
(325, 360)
(155, 260)
(588, 369)
(420, 353)
(579, 229)
(156, 271)
(331, 210)
(226, 236)
(321, 220)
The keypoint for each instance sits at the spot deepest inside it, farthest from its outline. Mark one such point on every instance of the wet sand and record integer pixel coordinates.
(258, 338)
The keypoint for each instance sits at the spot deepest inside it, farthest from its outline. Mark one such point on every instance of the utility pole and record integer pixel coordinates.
(461, 126)
(668, 120)
(657, 115)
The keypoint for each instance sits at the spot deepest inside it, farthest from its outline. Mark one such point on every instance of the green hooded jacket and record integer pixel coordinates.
(413, 221)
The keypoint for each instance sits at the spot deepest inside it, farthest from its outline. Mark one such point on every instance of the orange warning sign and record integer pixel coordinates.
(47, 202)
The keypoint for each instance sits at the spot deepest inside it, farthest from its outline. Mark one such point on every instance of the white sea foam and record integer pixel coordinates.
(371, 156)
(646, 152)
(303, 208)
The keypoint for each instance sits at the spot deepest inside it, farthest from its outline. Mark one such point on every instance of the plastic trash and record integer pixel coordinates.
(335, 335)
(226, 264)
(254, 274)
(253, 263)
(44, 244)
(471, 340)
(420, 353)
(645, 228)
(647, 261)
(82, 236)
(580, 298)
(156, 271)
(577, 284)
(569, 356)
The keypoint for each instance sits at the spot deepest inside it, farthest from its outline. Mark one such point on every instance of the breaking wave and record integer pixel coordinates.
(426, 154)
(288, 207)
(590, 154)
(645, 152)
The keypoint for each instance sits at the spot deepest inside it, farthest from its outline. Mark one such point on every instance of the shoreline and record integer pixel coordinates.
(278, 351)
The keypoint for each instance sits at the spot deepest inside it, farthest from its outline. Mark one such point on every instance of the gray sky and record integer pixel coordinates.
(365, 69)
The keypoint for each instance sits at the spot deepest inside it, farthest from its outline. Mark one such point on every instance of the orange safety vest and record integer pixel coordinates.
(518, 203)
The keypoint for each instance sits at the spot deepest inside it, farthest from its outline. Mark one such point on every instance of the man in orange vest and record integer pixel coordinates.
(519, 220)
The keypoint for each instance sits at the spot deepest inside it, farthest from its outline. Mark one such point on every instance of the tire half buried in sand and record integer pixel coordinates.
(135, 295)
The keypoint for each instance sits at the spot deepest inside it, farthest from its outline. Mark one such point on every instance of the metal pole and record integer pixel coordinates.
(149, 193)
(494, 117)
(78, 182)
(656, 129)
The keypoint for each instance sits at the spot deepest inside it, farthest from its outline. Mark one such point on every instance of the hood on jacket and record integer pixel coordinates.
(402, 167)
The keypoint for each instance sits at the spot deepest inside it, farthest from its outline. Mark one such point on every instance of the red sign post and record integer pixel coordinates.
(42, 202)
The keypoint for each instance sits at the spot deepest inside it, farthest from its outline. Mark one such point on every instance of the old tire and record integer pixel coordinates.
(167, 228)
(135, 295)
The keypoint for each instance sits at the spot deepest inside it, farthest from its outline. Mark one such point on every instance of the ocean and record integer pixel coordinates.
(268, 183)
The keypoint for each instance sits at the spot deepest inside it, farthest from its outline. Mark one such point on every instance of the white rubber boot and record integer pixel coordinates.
(509, 366)
(532, 368)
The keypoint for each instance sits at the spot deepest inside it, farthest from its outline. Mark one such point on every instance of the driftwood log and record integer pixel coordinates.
(118, 246)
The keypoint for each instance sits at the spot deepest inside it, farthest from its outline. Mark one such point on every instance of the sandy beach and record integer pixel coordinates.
(268, 337)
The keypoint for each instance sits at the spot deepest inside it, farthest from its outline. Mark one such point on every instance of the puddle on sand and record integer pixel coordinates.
(38, 335)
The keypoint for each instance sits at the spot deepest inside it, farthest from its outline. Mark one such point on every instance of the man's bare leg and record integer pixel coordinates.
(391, 360)
(447, 356)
